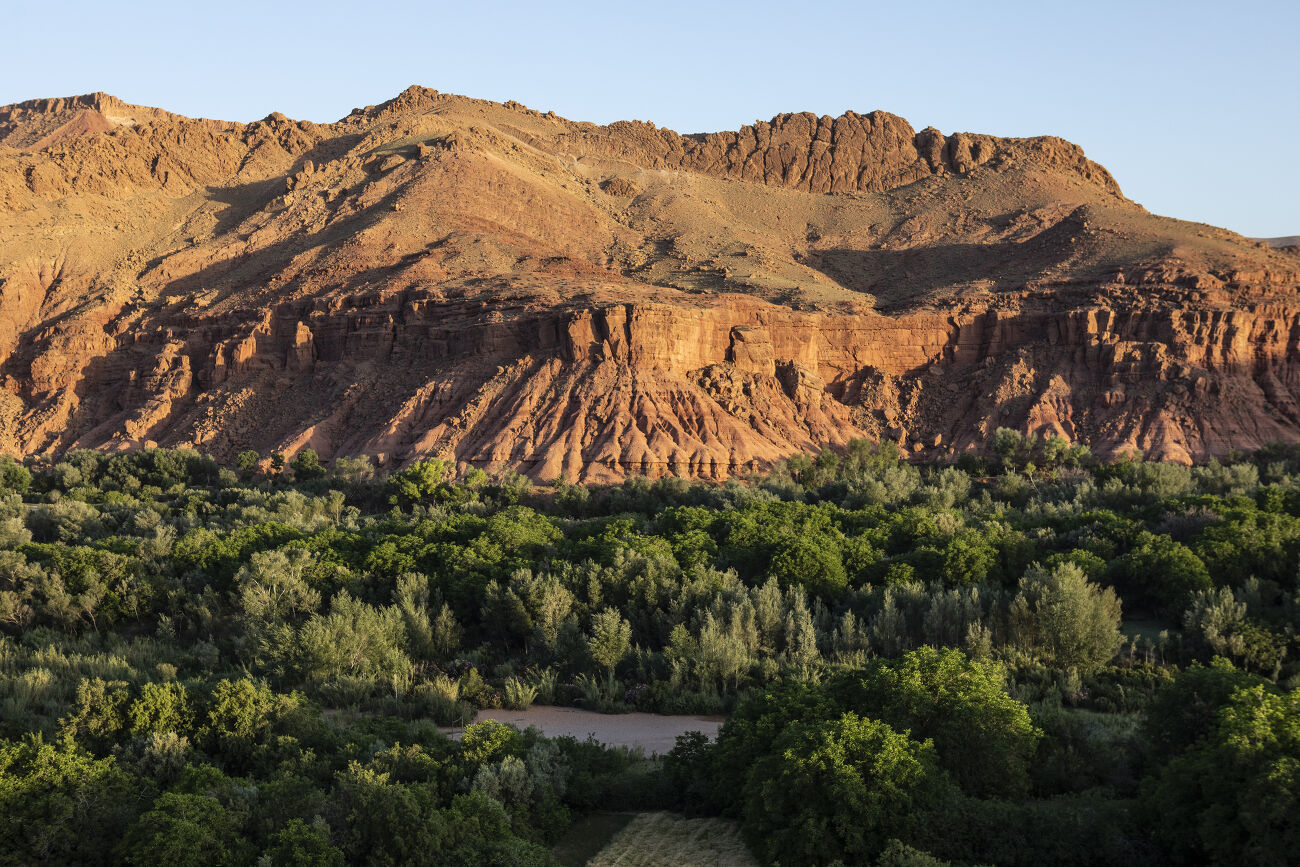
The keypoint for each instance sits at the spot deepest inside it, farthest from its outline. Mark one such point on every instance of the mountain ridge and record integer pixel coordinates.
(438, 275)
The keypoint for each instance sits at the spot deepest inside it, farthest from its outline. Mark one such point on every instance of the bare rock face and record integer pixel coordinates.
(39, 123)
(440, 276)
(872, 153)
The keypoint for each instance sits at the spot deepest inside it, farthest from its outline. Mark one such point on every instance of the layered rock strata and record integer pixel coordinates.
(507, 289)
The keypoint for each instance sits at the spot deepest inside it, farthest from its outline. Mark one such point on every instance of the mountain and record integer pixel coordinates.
(445, 276)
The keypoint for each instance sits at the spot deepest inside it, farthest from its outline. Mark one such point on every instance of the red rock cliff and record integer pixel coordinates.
(442, 276)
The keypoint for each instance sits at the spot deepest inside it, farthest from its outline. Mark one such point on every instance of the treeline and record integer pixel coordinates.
(1080, 589)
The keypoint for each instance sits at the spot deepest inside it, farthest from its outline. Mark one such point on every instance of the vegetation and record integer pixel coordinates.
(1027, 658)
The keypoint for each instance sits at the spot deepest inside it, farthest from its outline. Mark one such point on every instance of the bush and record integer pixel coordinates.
(440, 704)
(518, 695)
(161, 707)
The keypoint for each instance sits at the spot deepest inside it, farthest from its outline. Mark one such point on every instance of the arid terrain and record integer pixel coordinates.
(443, 276)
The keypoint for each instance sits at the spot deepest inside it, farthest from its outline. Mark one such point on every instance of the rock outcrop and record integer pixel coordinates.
(502, 287)
(870, 153)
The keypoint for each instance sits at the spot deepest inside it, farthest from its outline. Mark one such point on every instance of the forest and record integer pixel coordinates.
(1026, 657)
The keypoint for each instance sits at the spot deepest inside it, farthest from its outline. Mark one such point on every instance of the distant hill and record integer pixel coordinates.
(499, 286)
(1288, 241)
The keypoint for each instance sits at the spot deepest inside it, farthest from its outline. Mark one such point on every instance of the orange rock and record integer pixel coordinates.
(504, 288)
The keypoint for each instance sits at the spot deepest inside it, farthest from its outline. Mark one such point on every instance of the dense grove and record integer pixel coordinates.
(1021, 659)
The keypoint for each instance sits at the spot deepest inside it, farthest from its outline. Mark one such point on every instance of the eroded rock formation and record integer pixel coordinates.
(505, 288)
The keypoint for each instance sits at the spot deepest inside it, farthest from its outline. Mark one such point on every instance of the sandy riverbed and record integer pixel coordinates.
(653, 733)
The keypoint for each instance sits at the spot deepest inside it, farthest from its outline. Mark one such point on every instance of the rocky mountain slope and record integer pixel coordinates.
(445, 276)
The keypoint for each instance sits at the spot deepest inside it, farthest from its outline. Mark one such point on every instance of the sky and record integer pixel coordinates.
(1193, 106)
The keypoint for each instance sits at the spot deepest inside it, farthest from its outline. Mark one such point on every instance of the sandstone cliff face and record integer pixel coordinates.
(490, 284)
(871, 153)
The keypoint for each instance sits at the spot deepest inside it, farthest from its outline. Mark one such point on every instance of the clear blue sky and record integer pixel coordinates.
(1194, 106)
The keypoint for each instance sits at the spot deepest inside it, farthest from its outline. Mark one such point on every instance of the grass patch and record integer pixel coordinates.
(668, 840)
(588, 836)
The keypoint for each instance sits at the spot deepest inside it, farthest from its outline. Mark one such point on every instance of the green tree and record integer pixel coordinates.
(417, 483)
(61, 805)
(1253, 544)
(240, 716)
(969, 558)
(504, 615)
(306, 466)
(354, 640)
(899, 854)
(801, 635)
(14, 476)
(1163, 573)
(489, 741)
(412, 599)
(161, 707)
(813, 563)
(246, 462)
(1216, 622)
(387, 823)
(839, 790)
(446, 634)
(1186, 710)
(1066, 619)
(298, 844)
(610, 640)
(98, 714)
(187, 830)
(1233, 797)
(1012, 447)
(276, 584)
(355, 471)
(751, 732)
(982, 736)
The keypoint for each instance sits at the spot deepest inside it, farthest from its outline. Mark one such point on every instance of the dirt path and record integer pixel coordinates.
(653, 733)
